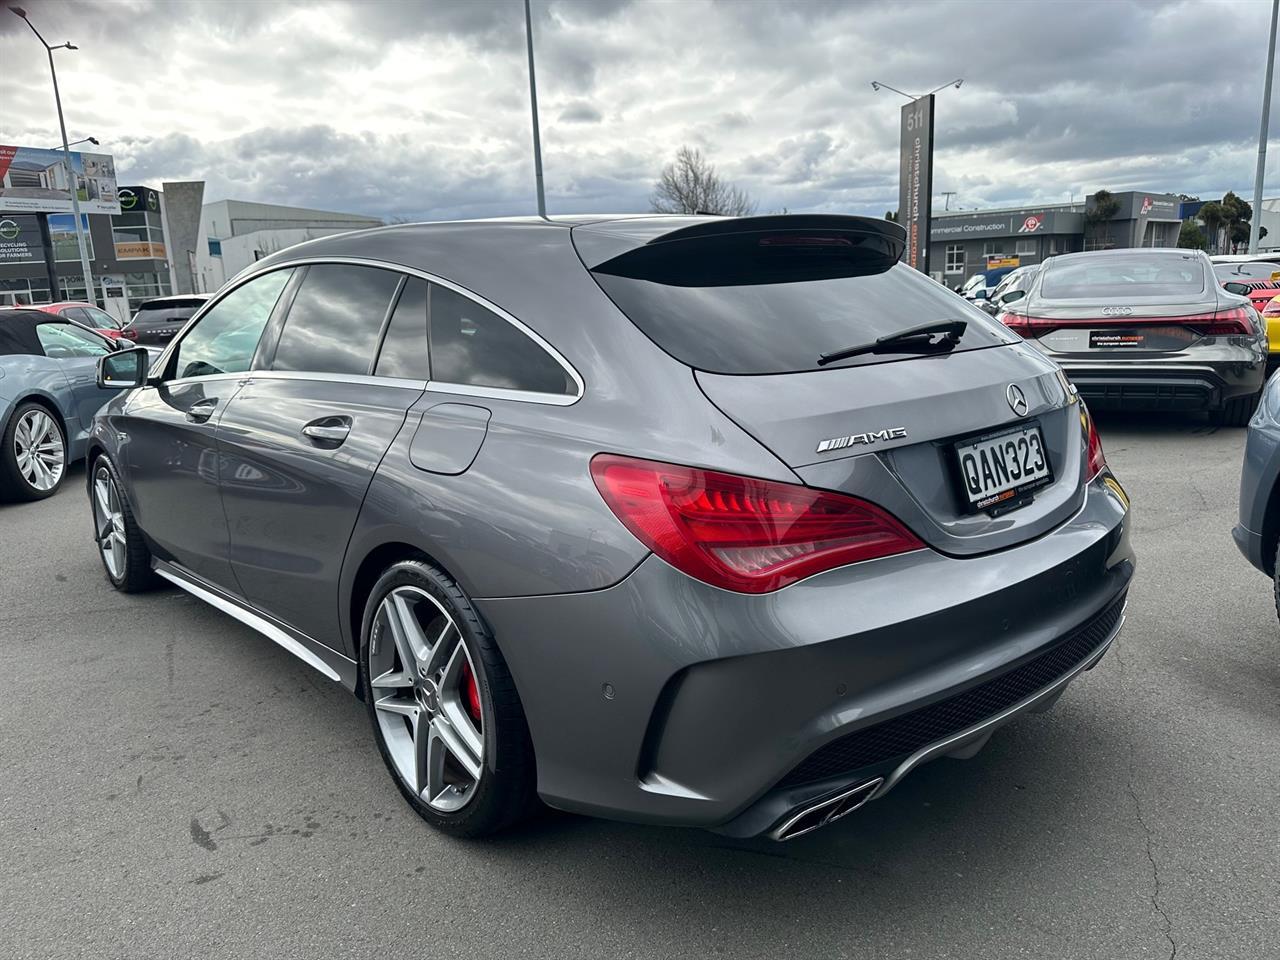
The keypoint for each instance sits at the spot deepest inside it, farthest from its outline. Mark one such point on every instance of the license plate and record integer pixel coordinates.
(1116, 339)
(999, 469)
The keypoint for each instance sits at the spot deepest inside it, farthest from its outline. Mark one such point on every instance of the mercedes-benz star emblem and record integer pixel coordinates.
(1017, 400)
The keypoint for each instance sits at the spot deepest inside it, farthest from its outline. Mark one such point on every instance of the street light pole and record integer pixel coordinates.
(1255, 228)
(533, 102)
(90, 293)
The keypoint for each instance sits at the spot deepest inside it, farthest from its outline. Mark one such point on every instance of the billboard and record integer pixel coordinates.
(33, 180)
(915, 180)
(20, 238)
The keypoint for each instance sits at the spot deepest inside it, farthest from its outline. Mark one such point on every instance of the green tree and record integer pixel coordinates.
(1214, 219)
(1238, 212)
(891, 216)
(1191, 237)
(1097, 218)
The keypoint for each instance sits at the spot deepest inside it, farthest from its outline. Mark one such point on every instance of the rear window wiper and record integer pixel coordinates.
(922, 336)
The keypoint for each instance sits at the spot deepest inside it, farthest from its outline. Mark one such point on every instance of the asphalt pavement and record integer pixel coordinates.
(174, 785)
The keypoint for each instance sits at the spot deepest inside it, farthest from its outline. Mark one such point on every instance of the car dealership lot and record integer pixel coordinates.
(176, 785)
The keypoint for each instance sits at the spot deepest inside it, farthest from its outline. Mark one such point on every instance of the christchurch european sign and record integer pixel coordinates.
(915, 180)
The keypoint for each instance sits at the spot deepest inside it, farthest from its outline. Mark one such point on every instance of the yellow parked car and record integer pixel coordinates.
(1271, 317)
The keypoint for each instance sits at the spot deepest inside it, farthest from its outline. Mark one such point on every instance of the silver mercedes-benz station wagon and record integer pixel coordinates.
(688, 520)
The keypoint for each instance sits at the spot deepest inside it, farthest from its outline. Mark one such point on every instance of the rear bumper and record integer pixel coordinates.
(1165, 386)
(673, 702)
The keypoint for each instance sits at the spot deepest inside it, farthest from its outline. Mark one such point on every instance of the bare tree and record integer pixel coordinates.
(690, 184)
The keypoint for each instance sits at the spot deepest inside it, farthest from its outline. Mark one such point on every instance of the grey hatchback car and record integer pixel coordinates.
(685, 520)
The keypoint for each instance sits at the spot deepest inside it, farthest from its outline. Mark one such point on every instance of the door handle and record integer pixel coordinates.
(328, 429)
(202, 410)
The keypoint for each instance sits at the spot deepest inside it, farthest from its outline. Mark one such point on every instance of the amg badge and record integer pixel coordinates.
(877, 436)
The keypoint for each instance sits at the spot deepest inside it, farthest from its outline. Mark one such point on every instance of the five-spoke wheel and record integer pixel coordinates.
(108, 522)
(426, 698)
(444, 707)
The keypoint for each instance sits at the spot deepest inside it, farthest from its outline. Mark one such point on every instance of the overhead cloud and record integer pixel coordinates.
(420, 110)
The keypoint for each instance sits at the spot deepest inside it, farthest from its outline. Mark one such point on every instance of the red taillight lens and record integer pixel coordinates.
(129, 334)
(1223, 323)
(1015, 322)
(1272, 309)
(742, 533)
(1097, 460)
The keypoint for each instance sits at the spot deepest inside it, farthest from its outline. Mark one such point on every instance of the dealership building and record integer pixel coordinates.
(963, 243)
(161, 242)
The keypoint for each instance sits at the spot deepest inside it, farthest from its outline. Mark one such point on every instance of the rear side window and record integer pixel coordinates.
(757, 328)
(225, 338)
(335, 319)
(1131, 275)
(404, 348)
(474, 346)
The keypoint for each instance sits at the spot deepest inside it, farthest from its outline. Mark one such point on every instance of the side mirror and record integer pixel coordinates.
(980, 293)
(1239, 289)
(1012, 296)
(124, 369)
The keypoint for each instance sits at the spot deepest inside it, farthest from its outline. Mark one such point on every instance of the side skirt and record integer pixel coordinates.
(332, 664)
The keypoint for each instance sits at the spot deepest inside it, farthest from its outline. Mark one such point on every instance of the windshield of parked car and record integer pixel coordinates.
(1128, 275)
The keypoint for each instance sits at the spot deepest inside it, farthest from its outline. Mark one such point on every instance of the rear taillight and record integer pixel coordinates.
(1097, 460)
(1015, 322)
(742, 533)
(129, 334)
(1272, 309)
(1236, 322)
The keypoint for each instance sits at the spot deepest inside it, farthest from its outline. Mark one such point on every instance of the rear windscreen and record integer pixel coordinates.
(1127, 276)
(748, 327)
(167, 314)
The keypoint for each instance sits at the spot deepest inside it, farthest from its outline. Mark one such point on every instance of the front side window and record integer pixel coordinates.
(404, 348)
(955, 258)
(61, 340)
(335, 319)
(474, 346)
(226, 337)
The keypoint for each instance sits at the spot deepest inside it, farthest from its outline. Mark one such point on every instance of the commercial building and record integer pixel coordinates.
(962, 243)
(127, 255)
(236, 233)
(162, 242)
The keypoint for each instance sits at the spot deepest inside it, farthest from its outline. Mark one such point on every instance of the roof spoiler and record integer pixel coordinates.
(755, 250)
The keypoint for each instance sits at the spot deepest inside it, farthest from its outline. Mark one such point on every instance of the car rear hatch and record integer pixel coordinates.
(751, 305)
(1140, 305)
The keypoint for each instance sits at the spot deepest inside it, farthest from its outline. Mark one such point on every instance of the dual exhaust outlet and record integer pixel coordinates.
(816, 815)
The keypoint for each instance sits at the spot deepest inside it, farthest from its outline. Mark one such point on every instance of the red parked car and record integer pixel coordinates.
(87, 315)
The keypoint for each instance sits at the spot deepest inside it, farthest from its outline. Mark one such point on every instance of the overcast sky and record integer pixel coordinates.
(419, 108)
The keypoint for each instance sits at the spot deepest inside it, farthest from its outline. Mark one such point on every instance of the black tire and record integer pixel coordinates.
(1237, 412)
(506, 791)
(1277, 580)
(13, 485)
(137, 575)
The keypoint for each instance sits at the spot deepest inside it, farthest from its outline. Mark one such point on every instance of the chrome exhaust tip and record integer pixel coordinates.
(819, 814)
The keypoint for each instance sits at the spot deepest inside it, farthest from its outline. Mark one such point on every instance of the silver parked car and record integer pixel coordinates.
(1148, 329)
(48, 396)
(1258, 533)
(689, 520)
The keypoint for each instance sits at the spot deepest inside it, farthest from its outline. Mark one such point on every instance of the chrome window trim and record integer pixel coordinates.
(463, 389)
(364, 378)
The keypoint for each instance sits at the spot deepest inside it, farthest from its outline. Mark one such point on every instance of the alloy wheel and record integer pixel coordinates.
(38, 450)
(108, 522)
(426, 698)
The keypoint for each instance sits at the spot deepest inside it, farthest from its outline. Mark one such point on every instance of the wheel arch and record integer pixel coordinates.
(44, 400)
(1271, 531)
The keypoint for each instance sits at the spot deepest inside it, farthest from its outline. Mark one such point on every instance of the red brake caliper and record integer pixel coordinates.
(471, 693)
